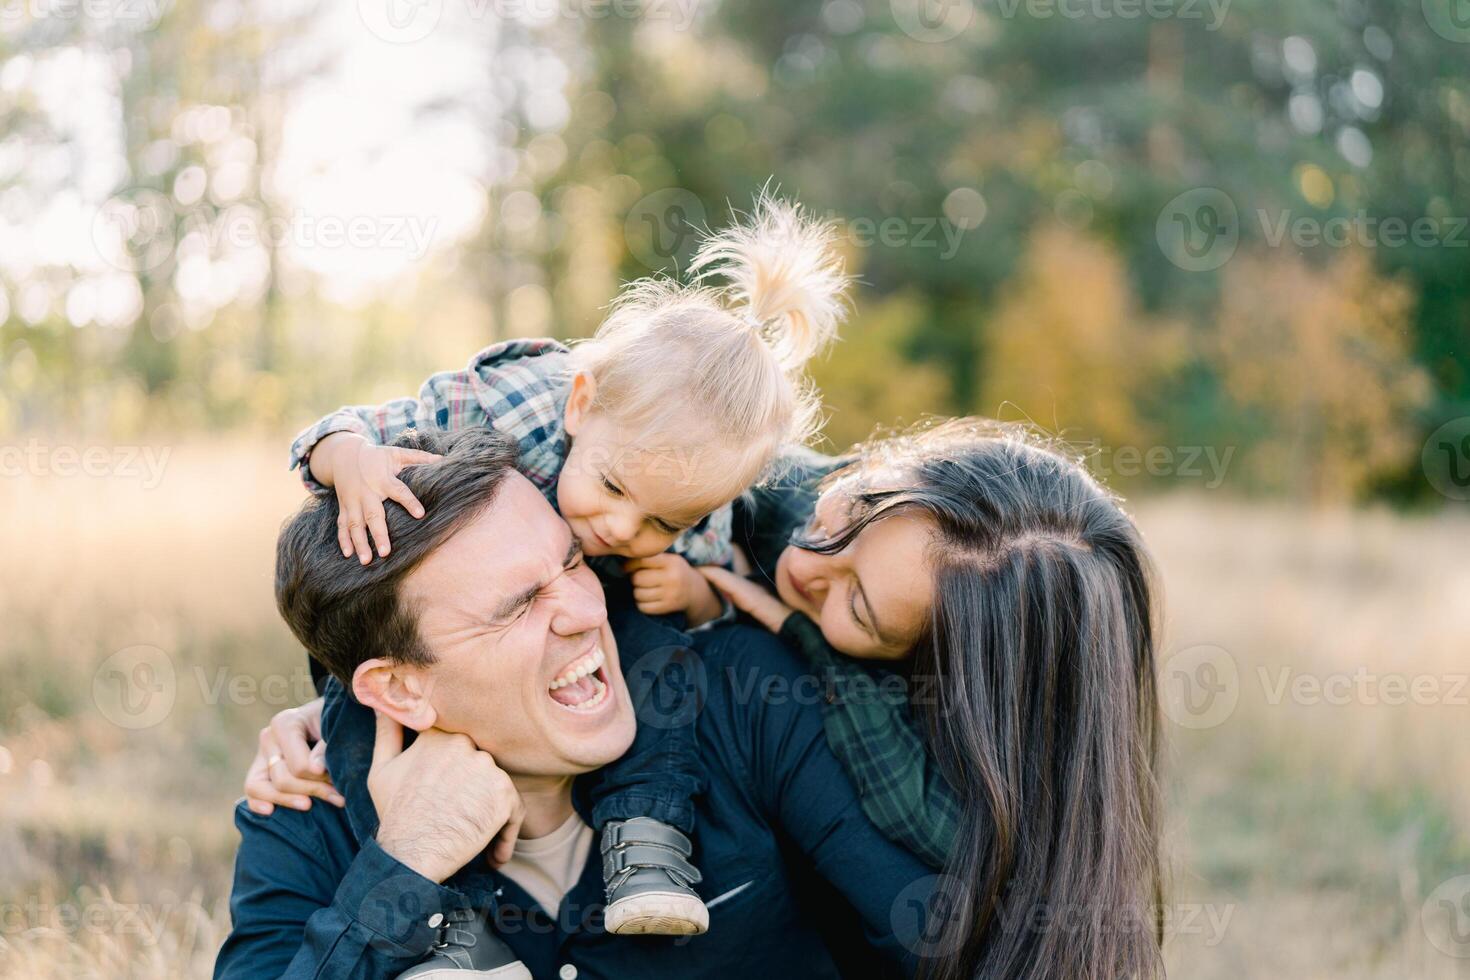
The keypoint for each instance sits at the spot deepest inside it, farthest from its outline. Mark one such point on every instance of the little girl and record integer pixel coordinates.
(640, 437)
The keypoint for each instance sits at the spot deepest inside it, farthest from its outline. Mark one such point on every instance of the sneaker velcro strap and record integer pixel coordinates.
(645, 832)
(622, 858)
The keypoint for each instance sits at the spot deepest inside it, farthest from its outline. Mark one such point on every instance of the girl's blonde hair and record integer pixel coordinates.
(723, 355)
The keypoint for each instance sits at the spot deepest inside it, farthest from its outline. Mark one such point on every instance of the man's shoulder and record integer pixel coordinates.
(757, 684)
(322, 831)
(738, 649)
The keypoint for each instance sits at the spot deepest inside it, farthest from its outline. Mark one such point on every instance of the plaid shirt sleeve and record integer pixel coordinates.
(708, 542)
(496, 381)
(874, 736)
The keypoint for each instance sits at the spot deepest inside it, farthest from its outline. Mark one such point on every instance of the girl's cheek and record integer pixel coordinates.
(572, 497)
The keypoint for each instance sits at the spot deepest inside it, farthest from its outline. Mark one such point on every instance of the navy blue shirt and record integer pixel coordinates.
(314, 896)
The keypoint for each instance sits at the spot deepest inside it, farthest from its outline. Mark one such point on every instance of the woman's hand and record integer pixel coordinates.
(290, 764)
(748, 597)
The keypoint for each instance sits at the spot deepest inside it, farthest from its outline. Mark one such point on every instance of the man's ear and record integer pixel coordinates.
(398, 690)
(579, 402)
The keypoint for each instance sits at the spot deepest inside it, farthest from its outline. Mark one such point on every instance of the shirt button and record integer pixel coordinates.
(436, 920)
(567, 972)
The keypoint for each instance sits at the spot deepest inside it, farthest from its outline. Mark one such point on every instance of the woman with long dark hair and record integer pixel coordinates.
(1021, 595)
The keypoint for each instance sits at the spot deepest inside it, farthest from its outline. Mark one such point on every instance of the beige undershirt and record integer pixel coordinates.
(547, 867)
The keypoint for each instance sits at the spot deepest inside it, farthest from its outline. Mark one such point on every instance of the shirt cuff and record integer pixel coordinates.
(801, 632)
(728, 613)
(302, 448)
(401, 907)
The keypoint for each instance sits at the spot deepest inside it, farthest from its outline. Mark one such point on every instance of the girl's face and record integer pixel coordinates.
(871, 599)
(621, 498)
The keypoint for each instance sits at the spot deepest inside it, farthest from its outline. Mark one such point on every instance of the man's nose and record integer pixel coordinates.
(580, 605)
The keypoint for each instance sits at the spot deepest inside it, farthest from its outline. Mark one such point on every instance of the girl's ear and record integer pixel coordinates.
(579, 402)
(397, 690)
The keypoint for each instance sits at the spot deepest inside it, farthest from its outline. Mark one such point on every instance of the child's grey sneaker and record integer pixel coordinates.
(645, 865)
(467, 950)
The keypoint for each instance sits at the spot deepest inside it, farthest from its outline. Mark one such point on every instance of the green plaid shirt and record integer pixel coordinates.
(865, 711)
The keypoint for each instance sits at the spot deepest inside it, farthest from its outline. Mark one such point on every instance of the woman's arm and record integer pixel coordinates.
(872, 731)
(869, 727)
(290, 765)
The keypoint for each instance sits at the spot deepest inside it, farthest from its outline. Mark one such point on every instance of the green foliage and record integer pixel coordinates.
(968, 151)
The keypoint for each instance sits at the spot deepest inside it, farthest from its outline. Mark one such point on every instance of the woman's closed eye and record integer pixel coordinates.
(853, 611)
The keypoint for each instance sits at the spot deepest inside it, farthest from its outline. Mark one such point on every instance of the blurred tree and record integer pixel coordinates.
(1068, 349)
(1323, 358)
(870, 378)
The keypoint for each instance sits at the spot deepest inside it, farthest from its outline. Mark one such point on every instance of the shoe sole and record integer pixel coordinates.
(657, 914)
(511, 971)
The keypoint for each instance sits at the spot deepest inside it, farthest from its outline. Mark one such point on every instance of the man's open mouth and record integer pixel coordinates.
(582, 686)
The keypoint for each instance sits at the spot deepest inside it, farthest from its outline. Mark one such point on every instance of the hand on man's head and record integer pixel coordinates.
(441, 801)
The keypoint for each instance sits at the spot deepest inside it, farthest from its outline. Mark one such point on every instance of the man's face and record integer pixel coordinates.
(526, 663)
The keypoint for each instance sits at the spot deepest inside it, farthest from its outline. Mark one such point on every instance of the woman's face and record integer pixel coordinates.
(873, 598)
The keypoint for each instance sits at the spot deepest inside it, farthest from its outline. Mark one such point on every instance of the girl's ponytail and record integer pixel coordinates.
(782, 276)
(721, 363)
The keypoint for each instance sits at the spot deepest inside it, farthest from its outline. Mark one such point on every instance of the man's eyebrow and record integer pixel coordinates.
(516, 603)
(526, 596)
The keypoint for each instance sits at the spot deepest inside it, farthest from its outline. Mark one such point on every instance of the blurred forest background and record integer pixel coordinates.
(1218, 246)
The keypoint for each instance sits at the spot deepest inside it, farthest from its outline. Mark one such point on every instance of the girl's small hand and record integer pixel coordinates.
(666, 583)
(749, 598)
(288, 768)
(364, 479)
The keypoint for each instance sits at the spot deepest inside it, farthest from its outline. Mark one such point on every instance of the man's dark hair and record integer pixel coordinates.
(345, 612)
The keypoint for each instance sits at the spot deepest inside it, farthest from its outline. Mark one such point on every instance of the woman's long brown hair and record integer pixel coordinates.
(1045, 719)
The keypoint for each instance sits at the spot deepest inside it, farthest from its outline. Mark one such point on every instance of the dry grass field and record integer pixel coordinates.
(1319, 755)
